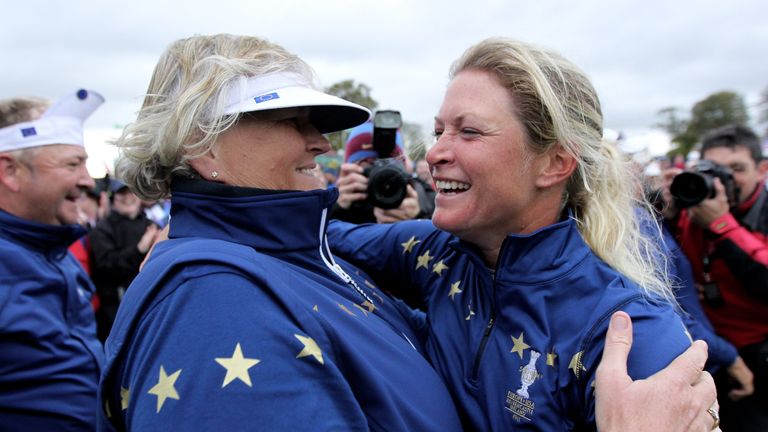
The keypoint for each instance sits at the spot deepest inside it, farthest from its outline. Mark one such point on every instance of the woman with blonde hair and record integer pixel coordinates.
(243, 320)
(534, 244)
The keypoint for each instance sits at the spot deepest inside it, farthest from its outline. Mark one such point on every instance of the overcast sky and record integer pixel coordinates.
(641, 55)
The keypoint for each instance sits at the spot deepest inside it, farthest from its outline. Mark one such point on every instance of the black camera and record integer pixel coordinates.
(387, 183)
(387, 179)
(692, 187)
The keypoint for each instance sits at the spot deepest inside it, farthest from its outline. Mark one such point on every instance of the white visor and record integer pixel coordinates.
(62, 123)
(288, 90)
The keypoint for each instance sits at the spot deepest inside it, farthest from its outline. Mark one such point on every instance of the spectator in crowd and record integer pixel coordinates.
(119, 244)
(534, 245)
(88, 211)
(724, 239)
(722, 354)
(353, 204)
(50, 358)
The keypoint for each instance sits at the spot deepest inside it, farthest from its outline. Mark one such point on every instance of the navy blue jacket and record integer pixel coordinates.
(518, 345)
(244, 321)
(50, 359)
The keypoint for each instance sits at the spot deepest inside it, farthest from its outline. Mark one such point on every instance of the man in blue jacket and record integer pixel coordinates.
(50, 359)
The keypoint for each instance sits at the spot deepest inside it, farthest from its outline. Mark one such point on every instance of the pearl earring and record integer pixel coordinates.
(214, 174)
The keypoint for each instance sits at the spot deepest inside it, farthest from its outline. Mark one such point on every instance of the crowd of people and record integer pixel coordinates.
(501, 290)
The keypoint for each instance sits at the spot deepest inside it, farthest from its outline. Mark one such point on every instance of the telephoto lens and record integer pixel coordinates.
(691, 188)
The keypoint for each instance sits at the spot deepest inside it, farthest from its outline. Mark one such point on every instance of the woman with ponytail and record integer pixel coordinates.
(534, 243)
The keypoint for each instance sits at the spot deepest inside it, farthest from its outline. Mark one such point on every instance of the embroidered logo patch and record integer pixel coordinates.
(266, 97)
(27, 132)
(518, 402)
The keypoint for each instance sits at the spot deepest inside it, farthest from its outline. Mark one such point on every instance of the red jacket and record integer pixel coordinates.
(737, 245)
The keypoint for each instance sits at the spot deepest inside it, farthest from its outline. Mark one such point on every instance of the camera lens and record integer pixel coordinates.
(387, 187)
(691, 188)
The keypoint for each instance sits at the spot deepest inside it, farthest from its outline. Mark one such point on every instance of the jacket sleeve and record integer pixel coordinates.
(745, 253)
(221, 353)
(390, 254)
(658, 334)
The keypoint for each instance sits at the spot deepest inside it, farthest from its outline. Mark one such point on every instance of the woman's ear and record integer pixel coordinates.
(558, 167)
(206, 166)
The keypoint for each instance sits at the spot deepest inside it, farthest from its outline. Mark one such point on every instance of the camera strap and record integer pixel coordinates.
(706, 262)
(706, 267)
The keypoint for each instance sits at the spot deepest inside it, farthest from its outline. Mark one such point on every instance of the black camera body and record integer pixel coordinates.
(387, 179)
(692, 187)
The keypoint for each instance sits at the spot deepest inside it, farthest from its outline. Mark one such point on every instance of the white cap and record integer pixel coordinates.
(62, 123)
(289, 90)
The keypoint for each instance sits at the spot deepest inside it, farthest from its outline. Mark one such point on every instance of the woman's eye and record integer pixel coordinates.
(437, 133)
(468, 131)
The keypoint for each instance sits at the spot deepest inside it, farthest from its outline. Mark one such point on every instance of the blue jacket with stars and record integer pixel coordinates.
(243, 320)
(518, 345)
(50, 359)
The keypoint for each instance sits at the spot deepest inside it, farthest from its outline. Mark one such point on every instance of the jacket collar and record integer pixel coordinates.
(267, 220)
(536, 257)
(48, 239)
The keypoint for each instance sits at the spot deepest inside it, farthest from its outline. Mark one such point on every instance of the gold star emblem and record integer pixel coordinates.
(237, 367)
(125, 397)
(520, 345)
(344, 308)
(575, 365)
(164, 389)
(408, 246)
(471, 313)
(551, 359)
(310, 348)
(455, 289)
(362, 309)
(439, 267)
(314, 308)
(423, 260)
(371, 307)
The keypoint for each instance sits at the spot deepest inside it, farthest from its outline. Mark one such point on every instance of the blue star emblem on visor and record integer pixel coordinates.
(266, 97)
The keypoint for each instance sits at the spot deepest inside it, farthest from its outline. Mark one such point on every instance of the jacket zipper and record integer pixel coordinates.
(483, 343)
(488, 330)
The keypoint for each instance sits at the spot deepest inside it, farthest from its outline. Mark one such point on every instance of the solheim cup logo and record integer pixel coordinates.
(528, 375)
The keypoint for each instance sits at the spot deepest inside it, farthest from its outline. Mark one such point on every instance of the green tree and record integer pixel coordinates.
(358, 93)
(677, 128)
(717, 109)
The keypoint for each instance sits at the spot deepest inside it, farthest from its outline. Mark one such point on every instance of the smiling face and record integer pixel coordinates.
(52, 180)
(488, 181)
(268, 150)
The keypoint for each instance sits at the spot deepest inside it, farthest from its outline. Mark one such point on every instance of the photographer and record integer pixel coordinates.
(719, 213)
(373, 183)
